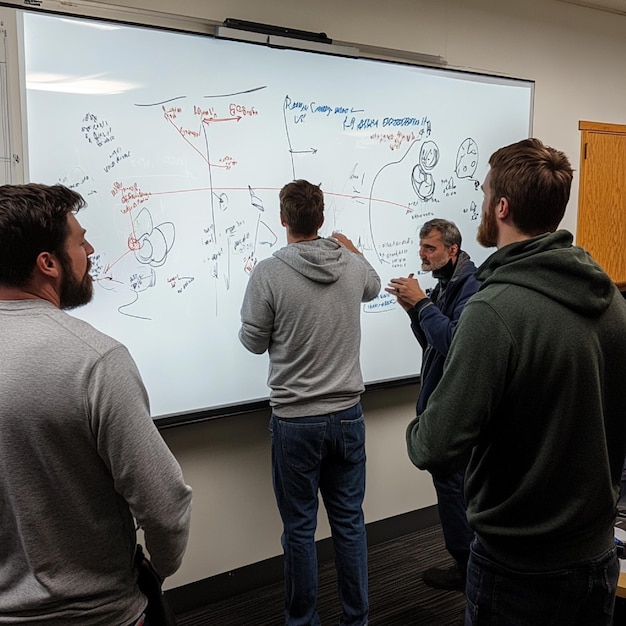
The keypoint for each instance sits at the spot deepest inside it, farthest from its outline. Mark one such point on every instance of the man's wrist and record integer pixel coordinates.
(422, 304)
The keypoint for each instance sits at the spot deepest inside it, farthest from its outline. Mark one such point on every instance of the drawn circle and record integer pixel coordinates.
(429, 155)
(467, 158)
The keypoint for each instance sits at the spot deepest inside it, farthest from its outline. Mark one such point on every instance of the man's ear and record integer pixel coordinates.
(47, 264)
(502, 208)
(282, 220)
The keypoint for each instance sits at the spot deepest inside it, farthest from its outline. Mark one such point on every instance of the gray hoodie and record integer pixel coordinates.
(302, 305)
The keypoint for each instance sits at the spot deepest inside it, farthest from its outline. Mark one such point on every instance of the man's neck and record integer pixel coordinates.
(508, 233)
(298, 238)
(8, 292)
(445, 273)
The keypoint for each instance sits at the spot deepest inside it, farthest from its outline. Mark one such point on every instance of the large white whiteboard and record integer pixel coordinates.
(180, 144)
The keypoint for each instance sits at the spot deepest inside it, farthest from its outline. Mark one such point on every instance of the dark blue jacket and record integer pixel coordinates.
(434, 319)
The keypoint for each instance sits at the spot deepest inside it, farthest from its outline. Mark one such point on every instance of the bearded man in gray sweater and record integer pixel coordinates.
(82, 462)
(303, 306)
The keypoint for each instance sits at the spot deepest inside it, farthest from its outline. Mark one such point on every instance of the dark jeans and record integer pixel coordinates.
(580, 595)
(325, 452)
(457, 533)
(621, 504)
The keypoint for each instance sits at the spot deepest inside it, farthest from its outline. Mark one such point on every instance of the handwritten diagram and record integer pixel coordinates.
(181, 164)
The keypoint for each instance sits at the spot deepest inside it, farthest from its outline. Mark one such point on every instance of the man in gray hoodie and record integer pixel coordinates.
(303, 306)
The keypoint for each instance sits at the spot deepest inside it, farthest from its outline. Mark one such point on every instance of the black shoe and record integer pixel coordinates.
(451, 578)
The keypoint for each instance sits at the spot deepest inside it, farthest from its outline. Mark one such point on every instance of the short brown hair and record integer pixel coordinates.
(536, 180)
(33, 219)
(302, 207)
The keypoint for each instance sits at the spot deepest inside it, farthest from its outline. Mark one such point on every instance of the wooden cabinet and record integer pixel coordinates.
(601, 227)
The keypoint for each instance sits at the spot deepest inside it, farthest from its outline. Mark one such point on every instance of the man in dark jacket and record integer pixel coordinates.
(533, 394)
(433, 320)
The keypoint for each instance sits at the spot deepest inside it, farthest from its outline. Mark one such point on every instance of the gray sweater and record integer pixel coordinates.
(303, 306)
(79, 458)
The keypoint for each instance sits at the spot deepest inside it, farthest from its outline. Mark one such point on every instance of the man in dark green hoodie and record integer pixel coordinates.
(534, 395)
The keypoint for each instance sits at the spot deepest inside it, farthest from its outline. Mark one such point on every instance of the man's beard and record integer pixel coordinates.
(487, 234)
(74, 292)
(433, 266)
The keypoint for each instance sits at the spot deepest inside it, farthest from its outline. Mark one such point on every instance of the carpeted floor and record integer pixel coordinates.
(398, 597)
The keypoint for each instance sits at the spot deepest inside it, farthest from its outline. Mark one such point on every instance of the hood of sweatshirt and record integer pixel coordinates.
(551, 265)
(321, 260)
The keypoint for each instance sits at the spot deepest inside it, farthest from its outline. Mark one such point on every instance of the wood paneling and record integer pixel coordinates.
(602, 196)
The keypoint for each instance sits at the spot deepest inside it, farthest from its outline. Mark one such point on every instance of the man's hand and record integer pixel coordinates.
(407, 290)
(342, 240)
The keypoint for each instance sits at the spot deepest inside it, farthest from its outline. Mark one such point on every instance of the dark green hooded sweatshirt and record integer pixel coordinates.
(534, 395)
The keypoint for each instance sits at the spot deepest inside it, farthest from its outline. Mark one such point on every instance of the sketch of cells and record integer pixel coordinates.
(421, 178)
(152, 243)
(429, 155)
(467, 159)
(423, 182)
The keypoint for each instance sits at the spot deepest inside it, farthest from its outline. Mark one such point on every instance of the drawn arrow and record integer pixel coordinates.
(108, 278)
(178, 130)
(209, 120)
(311, 151)
(110, 265)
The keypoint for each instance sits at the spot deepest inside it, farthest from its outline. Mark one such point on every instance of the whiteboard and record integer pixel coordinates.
(180, 144)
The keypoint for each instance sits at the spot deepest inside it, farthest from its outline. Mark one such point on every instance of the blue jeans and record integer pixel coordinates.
(457, 533)
(325, 452)
(579, 595)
